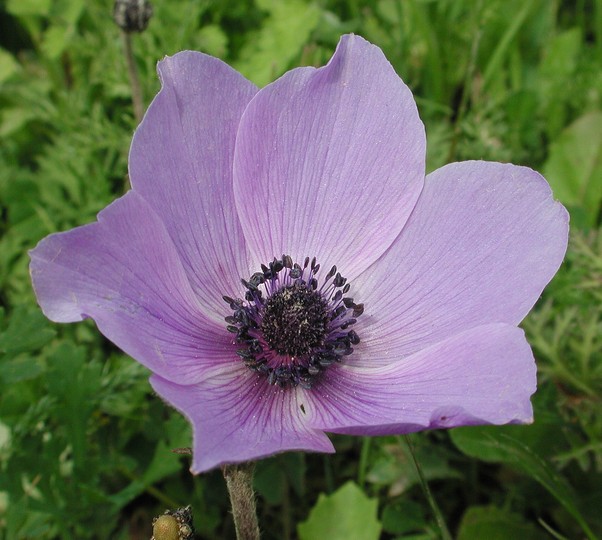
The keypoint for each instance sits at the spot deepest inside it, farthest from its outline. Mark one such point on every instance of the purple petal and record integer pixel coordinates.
(329, 162)
(181, 163)
(483, 376)
(480, 246)
(236, 416)
(124, 273)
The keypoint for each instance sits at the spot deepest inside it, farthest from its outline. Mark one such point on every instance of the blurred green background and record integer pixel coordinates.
(85, 448)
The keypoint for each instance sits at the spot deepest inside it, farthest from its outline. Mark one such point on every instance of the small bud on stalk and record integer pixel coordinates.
(132, 15)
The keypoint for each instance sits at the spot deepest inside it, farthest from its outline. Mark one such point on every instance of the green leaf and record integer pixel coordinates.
(212, 40)
(28, 7)
(21, 368)
(347, 513)
(27, 330)
(13, 119)
(55, 40)
(484, 443)
(75, 383)
(395, 467)
(501, 50)
(574, 168)
(275, 475)
(5, 440)
(164, 463)
(269, 481)
(8, 65)
(403, 516)
(495, 524)
(69, 11)
(481, 442)
(556, 71)
(61, 32)
(279, 41)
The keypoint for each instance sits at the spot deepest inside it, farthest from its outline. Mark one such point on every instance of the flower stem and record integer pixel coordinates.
(239, 481)
(361, 475)
(445, 534)
(133, 74)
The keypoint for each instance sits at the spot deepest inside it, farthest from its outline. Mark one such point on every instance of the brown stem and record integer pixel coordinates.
(133, 74)
(239, 480)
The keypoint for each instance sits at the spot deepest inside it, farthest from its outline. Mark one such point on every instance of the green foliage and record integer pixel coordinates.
(574, 167)
(347, 513)
(496, 524)
(403, 517)
(393, 466)
(495, 445)
(286, 30)
(85, 448)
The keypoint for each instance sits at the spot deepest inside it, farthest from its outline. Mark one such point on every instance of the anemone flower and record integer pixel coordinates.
(284, 268)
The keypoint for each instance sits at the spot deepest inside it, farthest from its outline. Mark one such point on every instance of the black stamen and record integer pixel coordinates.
(294, 320)
(297, 331)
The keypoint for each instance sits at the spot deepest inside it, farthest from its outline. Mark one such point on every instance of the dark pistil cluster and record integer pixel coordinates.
(289, 329)
(295, 320)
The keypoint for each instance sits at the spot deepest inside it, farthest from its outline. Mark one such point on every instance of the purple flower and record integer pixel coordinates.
(217, 270)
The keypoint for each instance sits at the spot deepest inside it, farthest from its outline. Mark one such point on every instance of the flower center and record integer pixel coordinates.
(289, 329)
(294, 321)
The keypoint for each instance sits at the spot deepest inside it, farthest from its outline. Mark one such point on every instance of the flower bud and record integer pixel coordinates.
(132, 15)
(166, 528)
(174, 525)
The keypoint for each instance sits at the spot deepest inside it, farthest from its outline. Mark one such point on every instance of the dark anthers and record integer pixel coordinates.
(289, 329)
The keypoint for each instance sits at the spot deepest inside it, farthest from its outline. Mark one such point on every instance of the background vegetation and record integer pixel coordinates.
(85, 446)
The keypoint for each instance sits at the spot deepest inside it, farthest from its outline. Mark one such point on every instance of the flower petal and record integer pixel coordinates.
(181, 163)
(480, 246)
(329, 162)
(483, 376)
(236, 416)
(124, 273)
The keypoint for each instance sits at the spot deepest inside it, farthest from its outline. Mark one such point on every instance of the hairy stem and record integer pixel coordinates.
(239, 481)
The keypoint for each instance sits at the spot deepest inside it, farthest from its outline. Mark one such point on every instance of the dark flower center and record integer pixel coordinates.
(294, 321)
(289, 329)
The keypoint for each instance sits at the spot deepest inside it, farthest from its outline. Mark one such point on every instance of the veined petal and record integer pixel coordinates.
(481, 244)
(124, 272)
(236, 416)
(329, 162)
(483, 376)
(181, 163)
